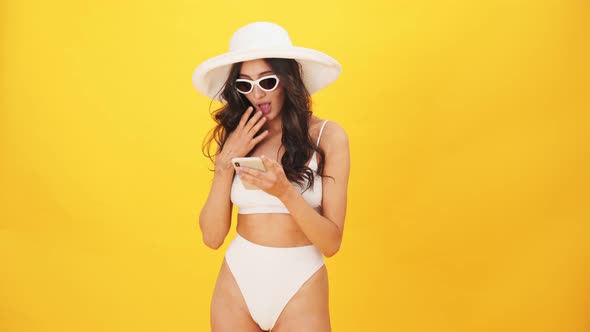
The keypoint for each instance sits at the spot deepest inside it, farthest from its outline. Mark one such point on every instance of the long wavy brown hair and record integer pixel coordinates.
(295, 115)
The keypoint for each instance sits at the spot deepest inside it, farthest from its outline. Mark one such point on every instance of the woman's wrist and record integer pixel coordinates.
(288, 194)
(224, 168)
(223, 162)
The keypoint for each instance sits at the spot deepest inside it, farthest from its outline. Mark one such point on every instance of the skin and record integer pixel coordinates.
(308, 310)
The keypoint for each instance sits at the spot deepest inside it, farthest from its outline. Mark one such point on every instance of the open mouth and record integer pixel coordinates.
(264, 108)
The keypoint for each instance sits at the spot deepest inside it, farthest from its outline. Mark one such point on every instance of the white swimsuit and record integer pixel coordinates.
(268, 277)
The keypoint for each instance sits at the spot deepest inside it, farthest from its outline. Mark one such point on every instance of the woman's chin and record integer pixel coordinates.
(272, 115)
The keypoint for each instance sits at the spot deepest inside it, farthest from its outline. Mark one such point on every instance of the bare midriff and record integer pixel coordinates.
(271, 230)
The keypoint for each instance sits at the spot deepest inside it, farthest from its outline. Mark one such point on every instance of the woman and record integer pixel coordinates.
(273, 275)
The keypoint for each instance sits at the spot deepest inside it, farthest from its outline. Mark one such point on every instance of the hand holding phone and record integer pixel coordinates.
(250, 162)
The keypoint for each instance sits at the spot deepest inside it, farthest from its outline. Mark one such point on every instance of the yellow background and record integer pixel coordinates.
(469, 190)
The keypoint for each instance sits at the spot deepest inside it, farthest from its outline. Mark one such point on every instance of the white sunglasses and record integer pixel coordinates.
(266, 83)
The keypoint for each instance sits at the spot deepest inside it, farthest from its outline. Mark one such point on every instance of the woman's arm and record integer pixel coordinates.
(324, 231)
(215, 216)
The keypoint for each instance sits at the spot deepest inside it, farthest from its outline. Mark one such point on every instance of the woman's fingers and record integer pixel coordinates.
(244, 118)
(242, 139)
(253, 121)
(267, 175)
(251, 176)
(270, 164)
(259, 138)
(258, 125)
(267, 163)
(273, 181)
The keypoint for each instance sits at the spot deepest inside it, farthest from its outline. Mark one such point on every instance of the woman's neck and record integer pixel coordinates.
(275, 127)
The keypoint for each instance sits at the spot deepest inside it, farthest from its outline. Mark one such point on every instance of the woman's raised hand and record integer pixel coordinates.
(242, 140)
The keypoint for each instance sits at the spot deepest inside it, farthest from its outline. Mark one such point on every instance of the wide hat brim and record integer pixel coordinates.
(318, 69)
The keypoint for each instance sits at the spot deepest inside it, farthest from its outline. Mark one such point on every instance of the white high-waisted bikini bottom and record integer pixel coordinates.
(268, 277)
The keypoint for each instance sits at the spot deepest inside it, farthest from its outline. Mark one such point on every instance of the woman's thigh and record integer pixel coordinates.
(228, 309)
(308, 310)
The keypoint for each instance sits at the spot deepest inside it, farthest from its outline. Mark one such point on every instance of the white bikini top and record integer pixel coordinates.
(258, 201)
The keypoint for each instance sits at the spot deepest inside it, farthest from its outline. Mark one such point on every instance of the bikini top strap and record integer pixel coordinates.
(321, 130)
(313, 158)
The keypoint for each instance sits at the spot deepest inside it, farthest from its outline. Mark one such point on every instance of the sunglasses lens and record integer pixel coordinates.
(269, 83)
(243, 87)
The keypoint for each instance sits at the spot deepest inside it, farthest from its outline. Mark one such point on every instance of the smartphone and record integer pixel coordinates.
(250, 162)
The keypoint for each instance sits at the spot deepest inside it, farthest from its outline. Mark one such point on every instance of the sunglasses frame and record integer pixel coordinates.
(257, 83)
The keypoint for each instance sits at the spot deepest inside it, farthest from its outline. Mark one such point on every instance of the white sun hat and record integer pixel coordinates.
(260, 40)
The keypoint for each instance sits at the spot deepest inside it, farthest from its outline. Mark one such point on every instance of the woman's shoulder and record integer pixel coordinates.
(332, 134)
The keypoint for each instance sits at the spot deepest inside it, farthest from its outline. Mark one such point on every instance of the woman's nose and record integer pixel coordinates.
(258, 92)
